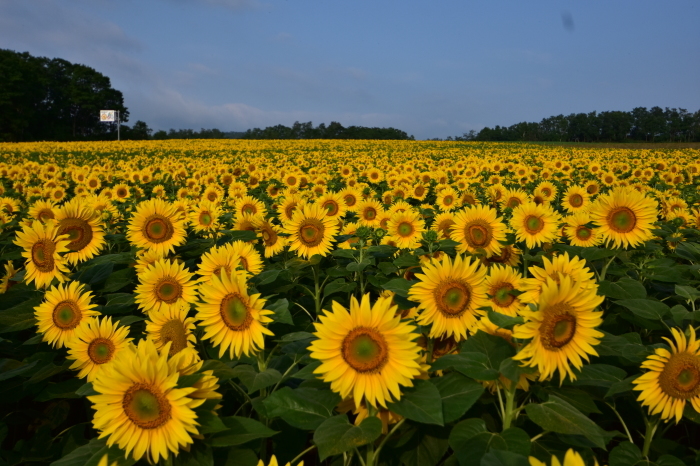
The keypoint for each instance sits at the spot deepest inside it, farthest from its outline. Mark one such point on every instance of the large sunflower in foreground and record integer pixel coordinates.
(450, 295)
(626, 217)
(232, 319)
(535, 224)
(171, 325)
(673, 377)
(478, 227)
(562, 331)
(65, 308)
(43, 249)
(139, 407)
(310, 231)
(366, 353)
(95, 344)
(156, 225)
(82, 225)
(163, 285)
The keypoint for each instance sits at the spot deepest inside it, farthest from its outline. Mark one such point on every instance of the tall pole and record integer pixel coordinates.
(118, 127)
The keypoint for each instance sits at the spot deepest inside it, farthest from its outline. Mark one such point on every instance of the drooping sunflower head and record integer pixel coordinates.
(64, 310)
(373, 348)
(450, 294)
(479, 228)
(6, 280)
(672, 378)
(248, 258)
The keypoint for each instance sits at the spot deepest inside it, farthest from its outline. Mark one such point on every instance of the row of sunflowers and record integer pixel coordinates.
(348, 303)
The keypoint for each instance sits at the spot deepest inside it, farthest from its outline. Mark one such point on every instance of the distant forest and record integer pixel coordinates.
(333, 131)
(641, 124)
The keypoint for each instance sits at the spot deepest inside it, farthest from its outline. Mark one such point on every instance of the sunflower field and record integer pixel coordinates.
(364, 303)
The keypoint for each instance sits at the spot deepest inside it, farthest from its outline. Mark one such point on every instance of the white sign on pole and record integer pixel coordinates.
(107, 115)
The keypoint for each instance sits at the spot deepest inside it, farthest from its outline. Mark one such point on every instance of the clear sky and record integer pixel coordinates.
(431, 68)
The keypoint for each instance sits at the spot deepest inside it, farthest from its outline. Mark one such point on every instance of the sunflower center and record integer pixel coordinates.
(311, 232)
(558, 326)
(350, 200)
(583, 233)
(121, 192)
(168, 290)
(533, 224)
(79, 232)
(174, 331)
(100, 350)
(146, 406)
(205, 219)
(249, 209)
(370, 213)
(45, 214)
(478, 234)
(452, 298)
(157, 229)
(448, 200)
(501, 294)
(331, 207)
(622, 220)
(269, 236)
(444, 227)
(66, 315)
(365, 350)
(546, 192)
(42, 255)
(680, 377)
(404, 229)
(234, 312)
(576, 200)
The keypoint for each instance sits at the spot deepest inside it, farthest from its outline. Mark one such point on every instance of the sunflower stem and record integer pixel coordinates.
(651, 424)
(362, 460)
(386, 437)
(509, 413)
(627, 431)
(301, 455)
(604, 270)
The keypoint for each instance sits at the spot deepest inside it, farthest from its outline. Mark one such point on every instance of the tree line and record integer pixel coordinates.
(333, 131)
(641, 124)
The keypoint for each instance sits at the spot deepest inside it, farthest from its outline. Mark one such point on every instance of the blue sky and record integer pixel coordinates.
(431, 68)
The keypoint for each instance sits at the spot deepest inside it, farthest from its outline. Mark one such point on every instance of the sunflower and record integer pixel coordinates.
(205, 217)
(547, 189)
(82, 226)
(248, 257)
(96, 344)
(188, 362)
(139, 407)
(571, 458)
(333, 204)
(249, 205)
(626, 217)
(478, 227)
(6, 281)
(562, 329)
(443, 223)
(369, 211)
(673, 377)
(450, 296)
(270, 236)
(406, 228)
(217, 260)
(447, 200)
(501, 283)
(556, 268)
(163, 285)
(232, 319)
(121, 192)
(65, 308)
(171, 325)
(43, 210)
(310, 231)
(43, 249)
(366, 353)
(576, 199)
(513, 198)
(156, 225)
(535, 224)
(578, 231)
(351, 197)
